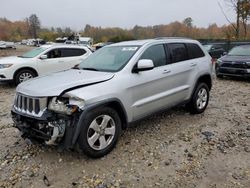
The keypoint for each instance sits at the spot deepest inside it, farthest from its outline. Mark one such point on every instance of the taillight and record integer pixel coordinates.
(213, 60)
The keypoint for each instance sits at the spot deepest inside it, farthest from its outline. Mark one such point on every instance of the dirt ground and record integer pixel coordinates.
(171, 149)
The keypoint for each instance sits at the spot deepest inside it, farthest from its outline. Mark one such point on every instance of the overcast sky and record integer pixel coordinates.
(116, 13)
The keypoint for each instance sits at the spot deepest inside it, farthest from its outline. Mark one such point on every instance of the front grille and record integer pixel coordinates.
(32, 106)
(237, 65)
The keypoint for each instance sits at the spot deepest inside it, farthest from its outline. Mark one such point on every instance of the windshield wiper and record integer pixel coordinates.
(23, 56)
(76, 67)
(91, 69)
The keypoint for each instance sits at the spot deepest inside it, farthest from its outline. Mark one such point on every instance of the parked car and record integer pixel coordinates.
(215, 50)
(40, 61)
(6, 45)
(100, 45)
(235, 63)
(116, 86)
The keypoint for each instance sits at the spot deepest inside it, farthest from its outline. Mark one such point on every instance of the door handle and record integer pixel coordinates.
(166, 71)
(193, 64)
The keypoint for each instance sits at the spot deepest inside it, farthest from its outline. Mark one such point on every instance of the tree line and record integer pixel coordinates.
(235, 30)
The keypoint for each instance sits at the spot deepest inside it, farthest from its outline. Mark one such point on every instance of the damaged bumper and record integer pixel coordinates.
(51, 128)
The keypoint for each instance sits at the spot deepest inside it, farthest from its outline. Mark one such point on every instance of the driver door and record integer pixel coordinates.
(149, 89)
(53, 63)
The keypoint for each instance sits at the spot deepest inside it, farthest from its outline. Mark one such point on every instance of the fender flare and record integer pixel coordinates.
(81, 120)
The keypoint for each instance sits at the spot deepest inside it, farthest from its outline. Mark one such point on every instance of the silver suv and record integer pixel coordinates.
(119, 84)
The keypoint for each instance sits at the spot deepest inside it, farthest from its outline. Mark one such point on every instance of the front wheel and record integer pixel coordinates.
(200, 99)
(100, 132)
(23, 75)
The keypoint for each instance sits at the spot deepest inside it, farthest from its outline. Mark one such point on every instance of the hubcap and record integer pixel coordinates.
(101, 132)
(25, 76)
(202, 98)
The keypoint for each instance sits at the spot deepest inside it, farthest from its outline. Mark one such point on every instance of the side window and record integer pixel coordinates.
(55, 53)
(71, 52)
(156, 54)
(217, 47)
(178, 52)
(194, 51)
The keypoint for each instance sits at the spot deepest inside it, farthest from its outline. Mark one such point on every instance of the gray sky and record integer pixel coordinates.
(116, 13)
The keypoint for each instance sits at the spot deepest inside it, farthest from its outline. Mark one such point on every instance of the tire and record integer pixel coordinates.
(219, 76)
(95, 140)
(23, 75)
(216, 72)
(199, 100)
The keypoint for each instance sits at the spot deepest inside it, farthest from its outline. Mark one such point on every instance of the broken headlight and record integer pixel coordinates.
(65, 105)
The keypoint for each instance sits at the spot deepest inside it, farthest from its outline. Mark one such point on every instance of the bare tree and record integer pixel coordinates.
(34, 25)
(188, 22)
(242, 10)
(244, 14)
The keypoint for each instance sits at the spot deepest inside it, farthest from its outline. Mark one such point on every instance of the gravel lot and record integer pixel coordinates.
(171, 149)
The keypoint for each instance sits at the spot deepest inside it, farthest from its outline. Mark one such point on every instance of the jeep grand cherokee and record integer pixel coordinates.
(117, 85)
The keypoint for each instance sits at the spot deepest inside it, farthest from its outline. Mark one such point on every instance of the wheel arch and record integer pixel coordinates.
(24, 68)
(207, 79)
(117, 105)
(113, 103)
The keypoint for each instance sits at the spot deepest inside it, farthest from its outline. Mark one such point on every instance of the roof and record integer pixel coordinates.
(143, 42)
(133, 42)
(63, 45)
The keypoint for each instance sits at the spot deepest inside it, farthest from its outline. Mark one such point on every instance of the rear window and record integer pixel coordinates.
(194, 51)
(71, 52)
(178, 52)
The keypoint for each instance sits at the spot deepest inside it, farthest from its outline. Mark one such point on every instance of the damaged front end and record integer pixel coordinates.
(47, 120)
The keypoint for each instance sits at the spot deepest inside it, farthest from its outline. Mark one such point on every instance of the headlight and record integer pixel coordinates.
(65, 106)
(3, 66)
(219, 61)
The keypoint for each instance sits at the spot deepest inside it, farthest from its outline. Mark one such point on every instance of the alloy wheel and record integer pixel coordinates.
(25, 76)
(101, 132)
(202, 98)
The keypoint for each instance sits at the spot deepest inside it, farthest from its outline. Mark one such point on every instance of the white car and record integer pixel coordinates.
(5, 45)
(40, 61)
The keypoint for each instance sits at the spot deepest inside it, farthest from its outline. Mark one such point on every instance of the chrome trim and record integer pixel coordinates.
(22, 104)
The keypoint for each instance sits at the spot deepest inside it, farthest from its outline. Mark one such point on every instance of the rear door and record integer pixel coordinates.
(183, 66)
(72, 57)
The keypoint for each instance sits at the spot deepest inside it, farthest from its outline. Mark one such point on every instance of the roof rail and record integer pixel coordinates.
(160, 38)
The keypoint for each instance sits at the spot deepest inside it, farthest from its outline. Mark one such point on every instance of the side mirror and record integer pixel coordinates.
(76, 67)
(144, 65)
(43, 57)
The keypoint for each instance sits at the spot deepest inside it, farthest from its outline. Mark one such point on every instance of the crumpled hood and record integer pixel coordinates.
(12, 60)
(55, 84)
(235, 58)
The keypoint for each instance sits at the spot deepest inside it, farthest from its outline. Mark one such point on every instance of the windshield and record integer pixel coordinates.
(34, 52)
(109, 59)
(207, 47)
(240, 51)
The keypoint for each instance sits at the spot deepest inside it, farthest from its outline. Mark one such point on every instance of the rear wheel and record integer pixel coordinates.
(23, 75)
(199, 99)
(217, 73)
(100, 132)
(219, 76)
